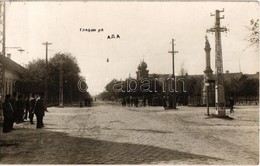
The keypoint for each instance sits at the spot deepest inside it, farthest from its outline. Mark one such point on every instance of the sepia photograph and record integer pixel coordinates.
(129, 82)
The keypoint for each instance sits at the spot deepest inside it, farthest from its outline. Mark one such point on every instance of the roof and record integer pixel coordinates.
(11, 65)
(227, 76)
(253, 76)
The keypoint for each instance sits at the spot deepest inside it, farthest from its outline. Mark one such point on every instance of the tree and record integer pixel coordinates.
(68, 64)
(254, 32)
(34, 79)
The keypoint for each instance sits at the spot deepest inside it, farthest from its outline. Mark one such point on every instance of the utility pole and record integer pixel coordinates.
(173, 75)
(61, 84)
(46, 72)
(2, 45)
(220, 95)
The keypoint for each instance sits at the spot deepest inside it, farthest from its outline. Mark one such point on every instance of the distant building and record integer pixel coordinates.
(142, 72)
(190, 88)
(12, 72)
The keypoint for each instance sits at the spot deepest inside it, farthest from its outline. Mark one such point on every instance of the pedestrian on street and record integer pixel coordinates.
(170, 101)
(8, 115)
(132, 99)
(32, 107)
(144, 101)
(39, 110)
(20, 109)
(231, 102)
(128, 101)
(81, 103)
(13, 103)
(136, 102)
(164, 102)
(123, 102)
(27, 107)
(89, 101)
(86, 101)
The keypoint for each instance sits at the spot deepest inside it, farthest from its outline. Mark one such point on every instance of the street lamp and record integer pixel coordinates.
(17, 48)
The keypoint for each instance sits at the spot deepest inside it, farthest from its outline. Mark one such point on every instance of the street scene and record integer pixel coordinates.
(129, 83)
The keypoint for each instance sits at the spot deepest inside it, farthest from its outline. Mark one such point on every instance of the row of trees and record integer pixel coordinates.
(33, 80)
(243, 88)
(158, 88)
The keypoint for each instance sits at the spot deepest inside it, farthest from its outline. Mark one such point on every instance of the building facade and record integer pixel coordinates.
(11, 72)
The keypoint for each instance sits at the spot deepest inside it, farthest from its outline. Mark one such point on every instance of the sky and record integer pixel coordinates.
(145, 29)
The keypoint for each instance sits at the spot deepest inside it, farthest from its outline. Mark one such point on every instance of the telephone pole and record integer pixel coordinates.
(61, 84)
(46, 72)
(173, 75)
(220, 95)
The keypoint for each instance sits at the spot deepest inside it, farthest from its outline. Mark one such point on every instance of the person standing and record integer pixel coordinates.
(13, 103)
(164, 102)
(39, 110)
(123, 102)
(8, 115)
(231, 102)
(128, 101)
(27, 107)
(144, 101)
(32, 106)
(132, 100)
(136, 101)
(20, 109)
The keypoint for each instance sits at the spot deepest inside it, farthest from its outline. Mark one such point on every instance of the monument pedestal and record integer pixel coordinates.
(221, 113)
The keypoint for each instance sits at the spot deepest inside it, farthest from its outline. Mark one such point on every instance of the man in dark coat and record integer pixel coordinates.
(8, 115)
(164, 102)
(231, 102)
(31, 109)
(128, 101)
(39, 110)
(20, 109)
(144, 101)
(13, 103)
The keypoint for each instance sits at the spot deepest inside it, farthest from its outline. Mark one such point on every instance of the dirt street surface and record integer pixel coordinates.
(111, 134)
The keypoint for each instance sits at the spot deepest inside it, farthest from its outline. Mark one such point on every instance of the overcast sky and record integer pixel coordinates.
(145, 29)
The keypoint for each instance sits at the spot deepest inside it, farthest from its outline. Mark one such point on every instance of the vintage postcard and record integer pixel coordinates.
(129, 82)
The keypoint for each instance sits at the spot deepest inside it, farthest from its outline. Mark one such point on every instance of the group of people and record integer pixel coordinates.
(86, 102)
(130, 101)
(16, 110)
(150, 101)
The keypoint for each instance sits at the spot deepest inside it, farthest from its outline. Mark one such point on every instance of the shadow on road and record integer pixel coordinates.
(31, 146)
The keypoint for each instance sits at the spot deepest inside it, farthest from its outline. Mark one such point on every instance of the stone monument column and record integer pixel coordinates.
(208, 77)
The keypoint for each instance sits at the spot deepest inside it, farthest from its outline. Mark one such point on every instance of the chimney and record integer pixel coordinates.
(9, 55)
